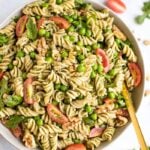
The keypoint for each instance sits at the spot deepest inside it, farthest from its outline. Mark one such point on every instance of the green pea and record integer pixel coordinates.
(45, 5)
(66, 37)
(37, 17)
(71, 29)
(116, 106)
(89, 48)
(59, 2)
(57, 86)
(79, 43)
(10, 66)
(100, 69)
(74, 16)
(111, 95)
(82, 31)
(80, 57)
(121, 103)
(63, 88)
(42, 32)
(24, 75)
(72, 38)
(32, 55)
(70, 19)
(88, 109)
(49, 59)
(93, 74)
(88, 33)
(64, 54)
(39, 122)
(47, 34)
(95, 46)
(81, 68)
(1, 58)
(76, 23)
(95, 67)
(89, 121)
(93, 116)
(20, 54)
(54, 102)
(112, 72)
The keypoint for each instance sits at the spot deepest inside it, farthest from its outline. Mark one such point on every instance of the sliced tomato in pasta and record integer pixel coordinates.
(136, 73)
(96, 132)
(28, 91)
(61, 22)
(21, 24)
(109, 101)
(76, 147)
(40, 22)
(17, 132)
(117, 6)
(1, 75)
(56, 115)
(105, 60)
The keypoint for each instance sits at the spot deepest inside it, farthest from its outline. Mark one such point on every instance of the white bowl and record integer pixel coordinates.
(136, 95)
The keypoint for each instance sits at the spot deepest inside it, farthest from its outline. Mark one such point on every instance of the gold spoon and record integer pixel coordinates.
(133, 117)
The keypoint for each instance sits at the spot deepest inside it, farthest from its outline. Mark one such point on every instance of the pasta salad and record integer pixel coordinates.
(62, 69)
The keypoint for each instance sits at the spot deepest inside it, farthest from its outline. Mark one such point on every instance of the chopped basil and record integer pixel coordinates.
(32, 30)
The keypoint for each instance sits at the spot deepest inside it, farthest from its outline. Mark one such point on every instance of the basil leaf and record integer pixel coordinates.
(14, 121)
(13, 101)
(3, 89)
(32, 30)
(3, 39)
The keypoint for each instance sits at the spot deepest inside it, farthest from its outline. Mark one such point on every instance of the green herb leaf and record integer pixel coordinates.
(3, 89)
(14, 121)
(32, 30)
(146, 7)
(140, 19)
(3, 39)
(13, 101)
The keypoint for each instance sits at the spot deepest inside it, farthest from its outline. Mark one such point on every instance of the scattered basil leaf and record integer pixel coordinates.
(3, 89)
(14, 121)
(13, 101)
(3, 39)
(32, 30)
(146, 13)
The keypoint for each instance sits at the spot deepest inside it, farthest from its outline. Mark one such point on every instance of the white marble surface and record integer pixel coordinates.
(127, 140)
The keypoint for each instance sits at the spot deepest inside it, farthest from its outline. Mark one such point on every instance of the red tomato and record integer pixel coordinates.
(136, 73)
(17, 132)
(96, 132)
(40, 22)
(21, 24)
(62, 23)
(28, 91)
(1, 75)
(109, 101)
(76, 147)
(116, 5)
(105, 60)
(55, 114)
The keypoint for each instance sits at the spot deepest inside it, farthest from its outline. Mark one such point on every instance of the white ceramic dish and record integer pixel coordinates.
(137, 93)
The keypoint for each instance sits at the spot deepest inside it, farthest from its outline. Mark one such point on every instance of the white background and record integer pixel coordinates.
(127, 141)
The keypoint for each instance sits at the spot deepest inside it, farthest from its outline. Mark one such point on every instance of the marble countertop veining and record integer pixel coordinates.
(127, 140)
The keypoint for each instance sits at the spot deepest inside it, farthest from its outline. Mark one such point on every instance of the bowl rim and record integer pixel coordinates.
(99, 6)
